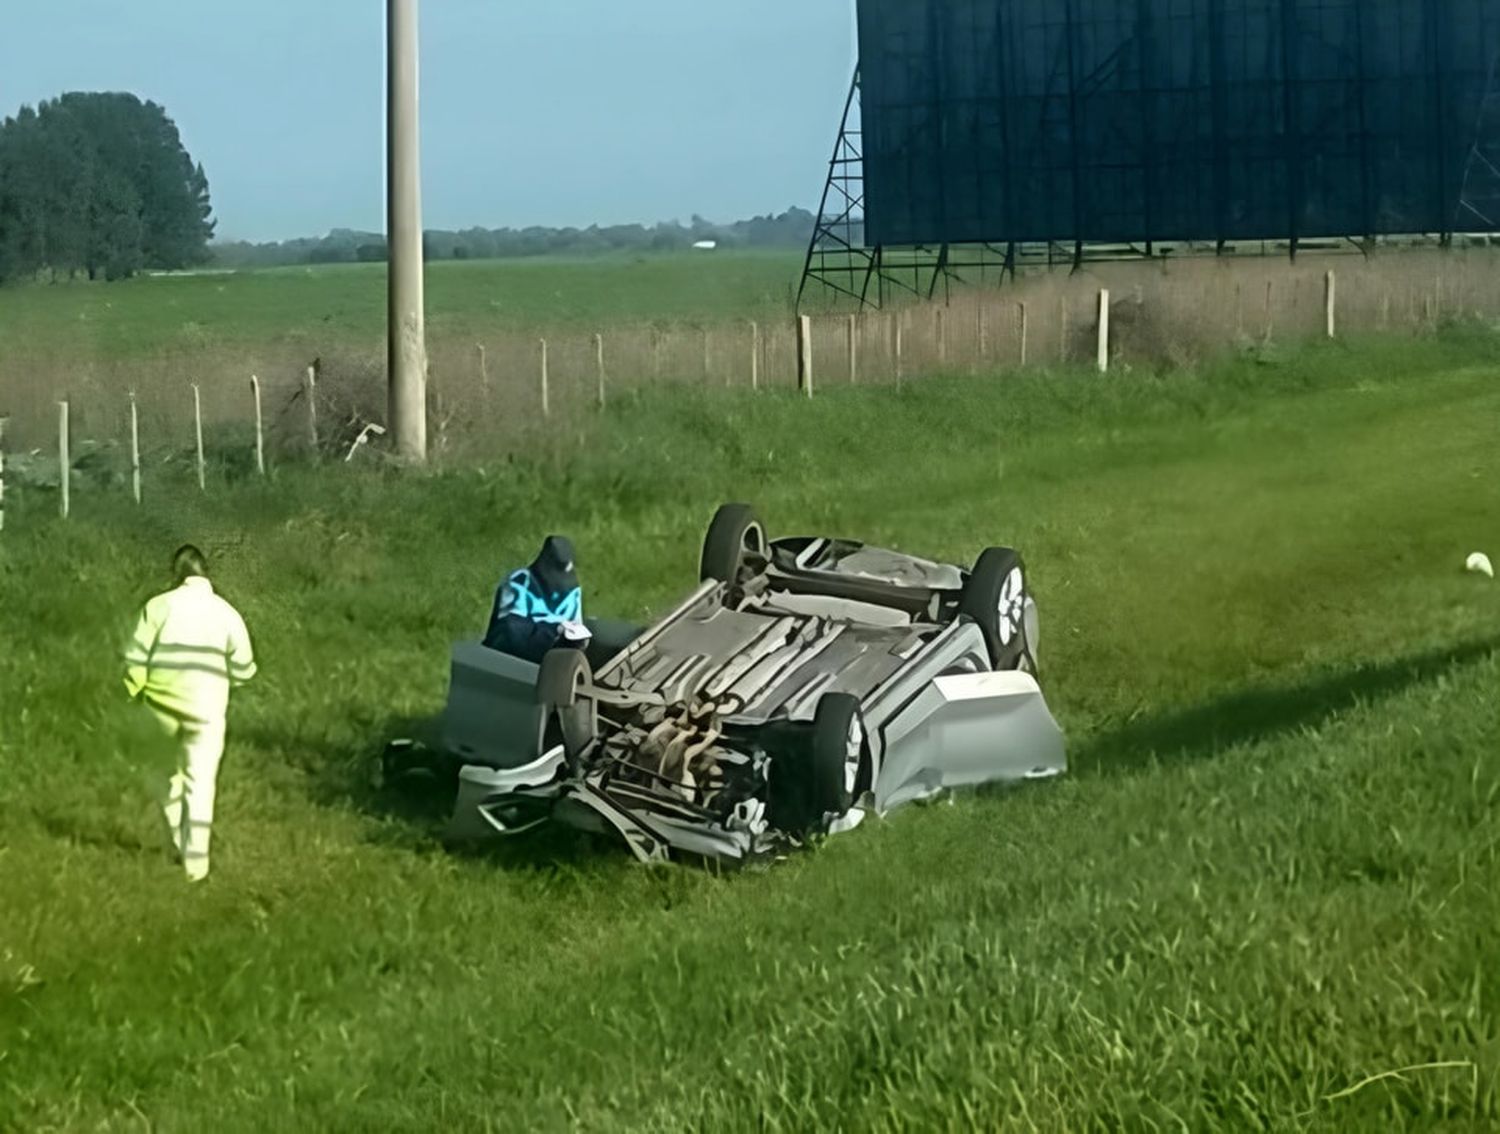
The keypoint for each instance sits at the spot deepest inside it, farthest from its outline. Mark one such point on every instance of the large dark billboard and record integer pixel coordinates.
(1118, 121)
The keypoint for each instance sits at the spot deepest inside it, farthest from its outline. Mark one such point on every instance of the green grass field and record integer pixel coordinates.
(1270, 876)
(330, 305)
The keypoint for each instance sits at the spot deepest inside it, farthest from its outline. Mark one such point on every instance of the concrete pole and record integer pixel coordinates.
(64, 459)
(3, 420)
(546, 397)
(599, 365)
(754, 355)
(198, 430)
(896, 345)
(407, 351)
(135, 450)
(260, 433)
(804, 354)
(1103, 358)
(311, 389)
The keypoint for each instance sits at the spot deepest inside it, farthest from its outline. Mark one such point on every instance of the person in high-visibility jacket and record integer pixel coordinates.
(190, 647)
(540, 607)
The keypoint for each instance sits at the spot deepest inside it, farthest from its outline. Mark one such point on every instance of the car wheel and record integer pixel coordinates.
(735, 535)
(562, 675)
(997, 598)
(839, 748)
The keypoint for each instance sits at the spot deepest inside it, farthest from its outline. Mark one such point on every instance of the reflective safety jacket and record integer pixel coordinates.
(188, 649)
(523, 622)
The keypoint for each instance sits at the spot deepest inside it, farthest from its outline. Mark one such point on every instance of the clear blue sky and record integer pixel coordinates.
(534, 111)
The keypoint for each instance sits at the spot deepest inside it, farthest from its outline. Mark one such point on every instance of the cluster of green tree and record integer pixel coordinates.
(791, 229)
(98, 183)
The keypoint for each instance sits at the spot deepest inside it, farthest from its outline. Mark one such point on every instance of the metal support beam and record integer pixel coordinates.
(1479, 199)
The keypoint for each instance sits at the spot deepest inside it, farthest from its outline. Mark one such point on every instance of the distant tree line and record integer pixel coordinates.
(98, 183)
(791, 229)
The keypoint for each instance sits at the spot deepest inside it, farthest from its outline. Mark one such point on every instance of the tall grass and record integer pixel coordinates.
(1268, 882)
(714, 321)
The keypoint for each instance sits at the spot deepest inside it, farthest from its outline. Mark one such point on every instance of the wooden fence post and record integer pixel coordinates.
(1062, 335)
(896, 345)
(1021, 315)
(599, 364)
(260, 434)
(804, 354)
(1103, 330)
(312, 408)
(940, 330)
(1330, 285)
(983, 330)
(135, 450)
(754, 355)
(546, 400)
(198, 429)
(3, 420)
(484, 372)
(1270, 318)
(853, 335)
(64, 459)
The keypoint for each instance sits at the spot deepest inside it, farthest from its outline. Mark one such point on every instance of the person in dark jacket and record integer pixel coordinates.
(539, 607)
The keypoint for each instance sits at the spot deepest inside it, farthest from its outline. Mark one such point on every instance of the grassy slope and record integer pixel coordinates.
(142, 316)
(1272, 873)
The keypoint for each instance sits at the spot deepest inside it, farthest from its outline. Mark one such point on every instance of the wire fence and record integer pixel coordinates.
(207, 419)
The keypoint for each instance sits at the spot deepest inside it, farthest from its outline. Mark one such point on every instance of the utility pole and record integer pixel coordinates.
(407, 352)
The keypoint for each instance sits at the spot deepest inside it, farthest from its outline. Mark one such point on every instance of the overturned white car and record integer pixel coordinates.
(805, 683)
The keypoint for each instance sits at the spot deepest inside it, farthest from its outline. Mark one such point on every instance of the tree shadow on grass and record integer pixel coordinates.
(1257, 715)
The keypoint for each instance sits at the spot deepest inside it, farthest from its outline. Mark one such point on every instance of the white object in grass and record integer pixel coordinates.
(1480, 563)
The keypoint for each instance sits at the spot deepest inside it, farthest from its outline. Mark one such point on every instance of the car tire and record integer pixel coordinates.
(839, 751)
(734, 535)
(997, 597)
(559, 683)
(562, 675)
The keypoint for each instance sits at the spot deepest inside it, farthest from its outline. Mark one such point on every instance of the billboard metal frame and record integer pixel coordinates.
(1479, 200)
(849, 269)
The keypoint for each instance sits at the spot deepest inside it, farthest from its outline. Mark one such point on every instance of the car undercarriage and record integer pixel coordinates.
(803, 684)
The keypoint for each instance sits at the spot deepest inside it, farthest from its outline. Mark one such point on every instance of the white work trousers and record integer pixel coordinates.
(189, 806)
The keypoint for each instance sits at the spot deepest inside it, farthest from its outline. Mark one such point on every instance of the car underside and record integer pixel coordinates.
(801, 685)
